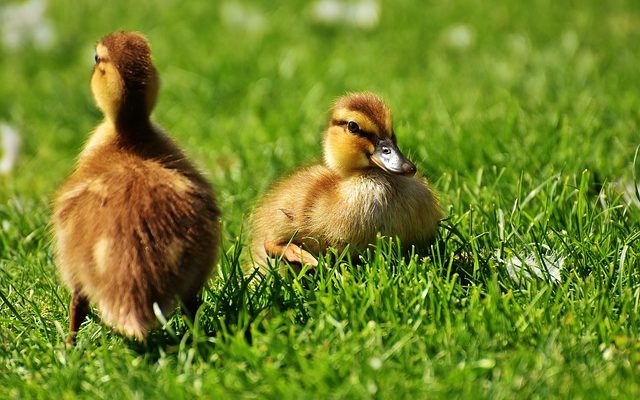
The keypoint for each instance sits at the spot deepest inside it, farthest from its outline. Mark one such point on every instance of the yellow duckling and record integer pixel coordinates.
(135, 224)
(364, 188)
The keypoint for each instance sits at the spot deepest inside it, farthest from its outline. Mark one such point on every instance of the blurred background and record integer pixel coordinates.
(524, 115)
(478, 88)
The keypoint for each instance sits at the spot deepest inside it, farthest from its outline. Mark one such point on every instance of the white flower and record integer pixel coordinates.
(458, 36)
(545, 266)
(630, 192)
(9, 148)
(363, 14)
(26, 22)
(375, 363)
(238, 15)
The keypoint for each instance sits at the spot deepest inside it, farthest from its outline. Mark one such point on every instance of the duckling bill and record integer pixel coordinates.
(136, 224)
(365, 187)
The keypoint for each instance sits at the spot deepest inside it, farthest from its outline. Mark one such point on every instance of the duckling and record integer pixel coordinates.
(365, 187)
(136, 224)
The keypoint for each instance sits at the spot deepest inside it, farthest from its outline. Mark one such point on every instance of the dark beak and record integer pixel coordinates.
(388, 157)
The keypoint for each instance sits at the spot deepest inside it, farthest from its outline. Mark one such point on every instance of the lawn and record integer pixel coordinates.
(525, 116)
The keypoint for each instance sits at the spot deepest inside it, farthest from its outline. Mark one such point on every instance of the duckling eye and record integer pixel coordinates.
(96, 58)
(353, 127)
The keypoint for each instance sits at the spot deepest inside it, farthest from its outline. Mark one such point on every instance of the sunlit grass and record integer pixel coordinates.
(523, 116)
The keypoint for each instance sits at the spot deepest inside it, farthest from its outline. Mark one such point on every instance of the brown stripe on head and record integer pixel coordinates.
(371, 106)
(125, 82)
(130, 53)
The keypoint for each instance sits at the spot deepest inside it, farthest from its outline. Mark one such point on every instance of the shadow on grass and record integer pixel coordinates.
(234, 305)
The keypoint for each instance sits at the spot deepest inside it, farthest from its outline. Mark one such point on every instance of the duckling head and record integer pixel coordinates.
(124, 81)
(360, 137)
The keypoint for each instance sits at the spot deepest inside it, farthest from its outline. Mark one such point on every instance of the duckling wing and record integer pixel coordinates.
(280, 223)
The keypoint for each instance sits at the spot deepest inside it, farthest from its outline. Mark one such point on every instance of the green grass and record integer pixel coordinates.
(528, 134)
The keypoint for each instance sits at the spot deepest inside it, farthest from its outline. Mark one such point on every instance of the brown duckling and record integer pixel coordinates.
(365, 187)
(136, 224)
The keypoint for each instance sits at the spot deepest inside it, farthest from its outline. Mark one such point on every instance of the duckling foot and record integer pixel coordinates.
(290, 252)
(79, 309)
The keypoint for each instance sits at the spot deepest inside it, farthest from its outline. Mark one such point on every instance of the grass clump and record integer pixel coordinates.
(527, 127)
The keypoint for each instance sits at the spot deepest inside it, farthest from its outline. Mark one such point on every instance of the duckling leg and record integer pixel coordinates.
(79, 309)
(191, 307)
(290, 252)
